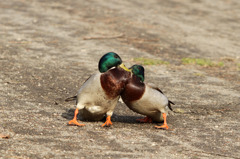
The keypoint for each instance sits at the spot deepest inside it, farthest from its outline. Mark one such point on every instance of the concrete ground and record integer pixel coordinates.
(49, 48)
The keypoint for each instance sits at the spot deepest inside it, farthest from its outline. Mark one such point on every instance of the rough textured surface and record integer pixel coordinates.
(49, 48)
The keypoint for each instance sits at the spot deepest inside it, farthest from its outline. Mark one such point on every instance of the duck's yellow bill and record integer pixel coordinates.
(124, 67)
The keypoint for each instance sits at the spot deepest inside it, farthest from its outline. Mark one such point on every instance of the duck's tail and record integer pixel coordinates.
(169, 105)
(71, 99)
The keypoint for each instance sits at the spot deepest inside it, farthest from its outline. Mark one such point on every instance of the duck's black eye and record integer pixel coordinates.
(115, 56)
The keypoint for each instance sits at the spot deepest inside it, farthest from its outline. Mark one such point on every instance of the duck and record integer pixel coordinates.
(146, 99)
(99, 94)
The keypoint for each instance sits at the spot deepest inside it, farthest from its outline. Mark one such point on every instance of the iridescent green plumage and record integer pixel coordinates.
(138, 70)
(108, 61)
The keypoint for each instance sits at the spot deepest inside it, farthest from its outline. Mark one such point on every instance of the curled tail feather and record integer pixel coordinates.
(71, 99)
(169, 105)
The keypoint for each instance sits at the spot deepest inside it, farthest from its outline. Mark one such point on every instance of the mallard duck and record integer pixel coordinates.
(99, 94)
(146, 99)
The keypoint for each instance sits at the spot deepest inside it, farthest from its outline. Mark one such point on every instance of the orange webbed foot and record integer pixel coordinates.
(108, 122)
(145, 120)
(74, 122)
(164, 126)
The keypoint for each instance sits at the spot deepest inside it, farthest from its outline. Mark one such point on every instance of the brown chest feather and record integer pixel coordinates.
(133, 91)
(114, 81)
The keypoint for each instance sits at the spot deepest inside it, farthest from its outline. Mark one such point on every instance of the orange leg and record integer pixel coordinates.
(108, 122)
(164, 126)
(145, 120)
(74, 120)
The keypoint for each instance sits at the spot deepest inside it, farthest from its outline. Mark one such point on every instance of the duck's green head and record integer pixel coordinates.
(110, 60)
(138, 70)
